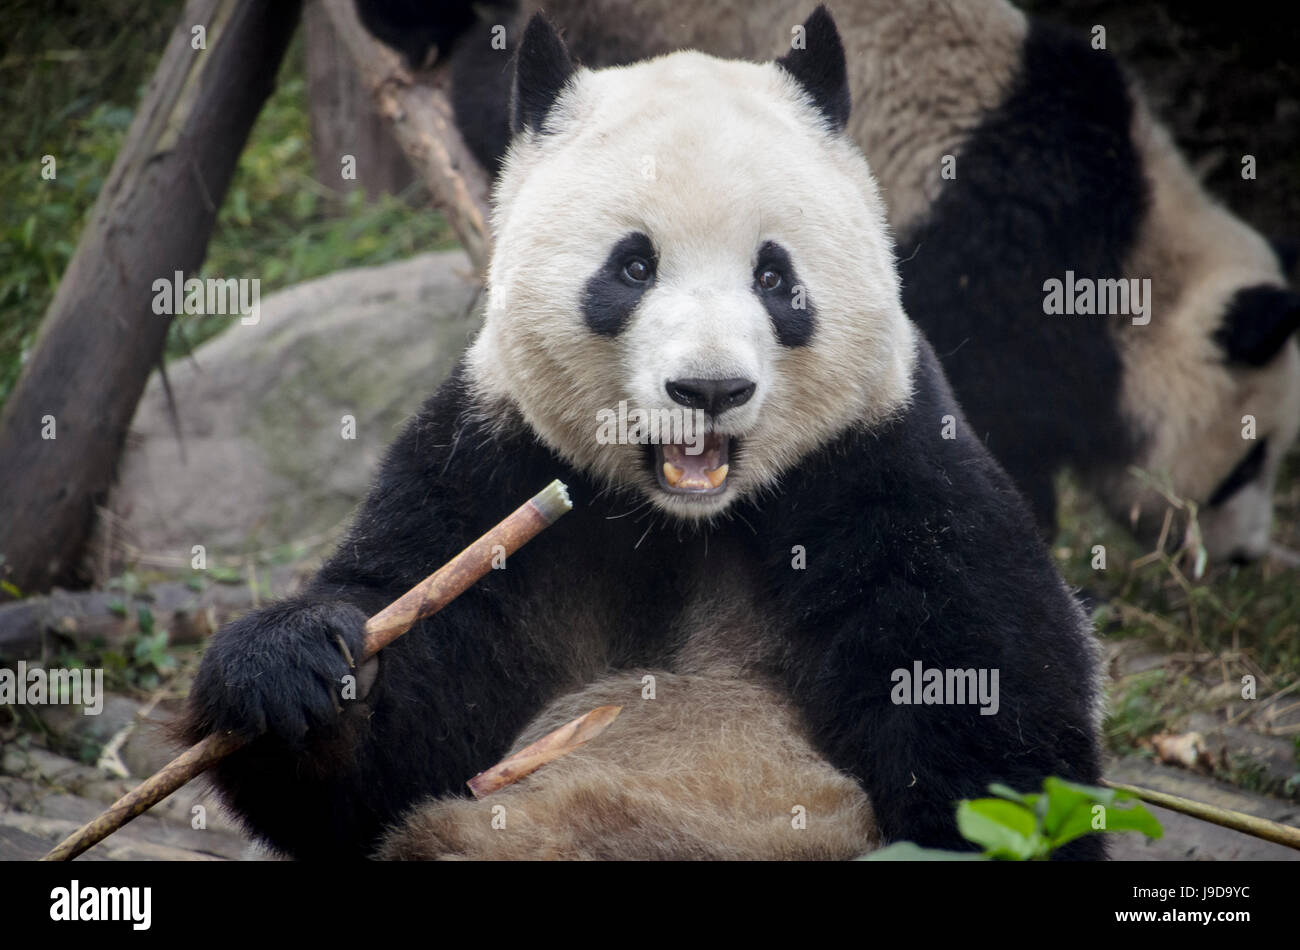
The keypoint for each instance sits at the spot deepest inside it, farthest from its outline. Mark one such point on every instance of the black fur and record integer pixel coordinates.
(1048, 182)
(794, 325)
(609, 296)
(481, 82)
(1288, 253)
(542, 68)
(1258, 323)
(1242, 474)
(415, 27)
(820, 68)
(482, 74)
(918, 548)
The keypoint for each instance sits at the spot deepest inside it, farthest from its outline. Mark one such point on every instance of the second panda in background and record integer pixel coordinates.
(1011, 154)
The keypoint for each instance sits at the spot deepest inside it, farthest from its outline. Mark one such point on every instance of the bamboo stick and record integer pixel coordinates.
(423, 600)
(549, 747)
(1224, 817)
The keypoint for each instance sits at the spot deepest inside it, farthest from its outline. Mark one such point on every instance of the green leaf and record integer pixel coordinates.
(1004, 829)
(1065, 799)
(1132, 817)
(1010, 794)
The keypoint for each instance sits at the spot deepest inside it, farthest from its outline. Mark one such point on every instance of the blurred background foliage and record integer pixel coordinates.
(71, 75)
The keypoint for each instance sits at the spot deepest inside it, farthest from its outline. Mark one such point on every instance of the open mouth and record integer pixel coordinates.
(704, 473)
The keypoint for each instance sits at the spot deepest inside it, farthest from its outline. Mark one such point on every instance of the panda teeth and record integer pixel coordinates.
(673, 474)
(718, 475)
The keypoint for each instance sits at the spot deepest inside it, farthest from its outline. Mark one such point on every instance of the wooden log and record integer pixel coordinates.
(32, 627)
(343, 122)
(101, 338)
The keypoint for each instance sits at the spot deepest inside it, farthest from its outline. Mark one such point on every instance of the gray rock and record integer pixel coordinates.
(261, 410)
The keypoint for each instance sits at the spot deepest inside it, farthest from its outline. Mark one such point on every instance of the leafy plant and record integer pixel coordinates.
(1029, 827)
(150, 658)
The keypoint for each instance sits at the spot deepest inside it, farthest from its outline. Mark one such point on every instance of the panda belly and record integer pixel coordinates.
(714, 767)
(707, 760)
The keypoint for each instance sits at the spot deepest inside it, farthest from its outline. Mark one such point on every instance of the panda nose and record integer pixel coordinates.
(714, 396)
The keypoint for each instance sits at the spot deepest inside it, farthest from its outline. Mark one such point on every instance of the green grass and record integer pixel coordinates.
(1247, 617)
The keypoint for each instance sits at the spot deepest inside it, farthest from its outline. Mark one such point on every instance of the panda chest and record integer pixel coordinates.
(727, 624)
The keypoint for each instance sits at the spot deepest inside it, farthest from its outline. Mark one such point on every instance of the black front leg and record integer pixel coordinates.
(920, 551)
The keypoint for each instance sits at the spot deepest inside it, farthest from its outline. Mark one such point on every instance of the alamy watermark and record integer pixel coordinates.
(230, 296)
(37, 686)
(676, 426)
(920, 686)
(1110, 295)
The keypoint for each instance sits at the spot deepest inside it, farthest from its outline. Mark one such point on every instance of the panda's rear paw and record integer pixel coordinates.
(280, 670)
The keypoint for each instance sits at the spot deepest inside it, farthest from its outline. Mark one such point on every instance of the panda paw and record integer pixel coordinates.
(280, 670)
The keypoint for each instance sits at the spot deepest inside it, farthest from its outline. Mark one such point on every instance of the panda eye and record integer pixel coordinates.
(769, 278)
(637, 270)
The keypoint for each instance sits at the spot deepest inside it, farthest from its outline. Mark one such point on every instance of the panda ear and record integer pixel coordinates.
(819, 67)
(542, 68)
(1258, 323)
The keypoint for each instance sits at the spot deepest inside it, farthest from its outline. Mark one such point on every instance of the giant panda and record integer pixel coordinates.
(1011, 154)
(698, 234)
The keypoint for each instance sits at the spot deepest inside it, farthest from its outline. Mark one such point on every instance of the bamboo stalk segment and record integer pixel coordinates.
(551, 746)
(425, 599)
(1224, 817)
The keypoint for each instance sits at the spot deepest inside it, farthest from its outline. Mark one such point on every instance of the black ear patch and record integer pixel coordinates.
(1258, 322)
(1288, 253)
(820, 68)
(787, 302)
(612, 293)
(1242, 474)
(542, 68)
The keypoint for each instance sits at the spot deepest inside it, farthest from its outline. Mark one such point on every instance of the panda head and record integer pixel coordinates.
(1212, 385)
(1251, 372)
(693, 245)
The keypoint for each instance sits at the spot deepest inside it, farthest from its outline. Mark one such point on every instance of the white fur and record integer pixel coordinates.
(710, 159)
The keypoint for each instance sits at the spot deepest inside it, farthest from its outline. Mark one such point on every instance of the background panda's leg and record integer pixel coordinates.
(481, 77)
(416, 27)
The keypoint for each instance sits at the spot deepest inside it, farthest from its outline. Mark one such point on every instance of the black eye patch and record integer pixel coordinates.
(785, 298)
(1247, 471)
(613, 292)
